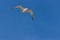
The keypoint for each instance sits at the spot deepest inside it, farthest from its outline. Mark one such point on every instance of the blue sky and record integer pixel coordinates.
(15, 26)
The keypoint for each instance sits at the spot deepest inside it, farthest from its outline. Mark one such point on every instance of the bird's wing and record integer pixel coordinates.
(20, 7)
(32, 14)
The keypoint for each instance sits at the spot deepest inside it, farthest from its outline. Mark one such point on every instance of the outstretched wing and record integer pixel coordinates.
(20, 7)
(32, 14)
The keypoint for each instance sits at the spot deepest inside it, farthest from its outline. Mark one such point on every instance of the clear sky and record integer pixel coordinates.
(15, 26)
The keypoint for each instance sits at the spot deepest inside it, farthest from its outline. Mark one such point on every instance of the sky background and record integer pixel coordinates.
(16, 26)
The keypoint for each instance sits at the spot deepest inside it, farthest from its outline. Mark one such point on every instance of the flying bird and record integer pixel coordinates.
(26, 10)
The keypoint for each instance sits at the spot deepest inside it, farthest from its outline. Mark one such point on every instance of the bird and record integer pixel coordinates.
(24, 10)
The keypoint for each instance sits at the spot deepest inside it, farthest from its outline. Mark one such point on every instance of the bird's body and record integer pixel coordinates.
(26, 10)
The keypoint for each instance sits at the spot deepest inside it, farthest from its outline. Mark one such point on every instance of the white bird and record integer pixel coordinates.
(26, 10)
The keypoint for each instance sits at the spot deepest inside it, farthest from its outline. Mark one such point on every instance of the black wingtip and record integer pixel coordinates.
(32, 19)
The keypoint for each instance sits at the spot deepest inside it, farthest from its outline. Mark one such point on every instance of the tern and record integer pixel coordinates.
(26, 10)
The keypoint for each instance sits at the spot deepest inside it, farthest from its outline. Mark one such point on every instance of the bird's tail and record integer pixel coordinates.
(22, 13)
